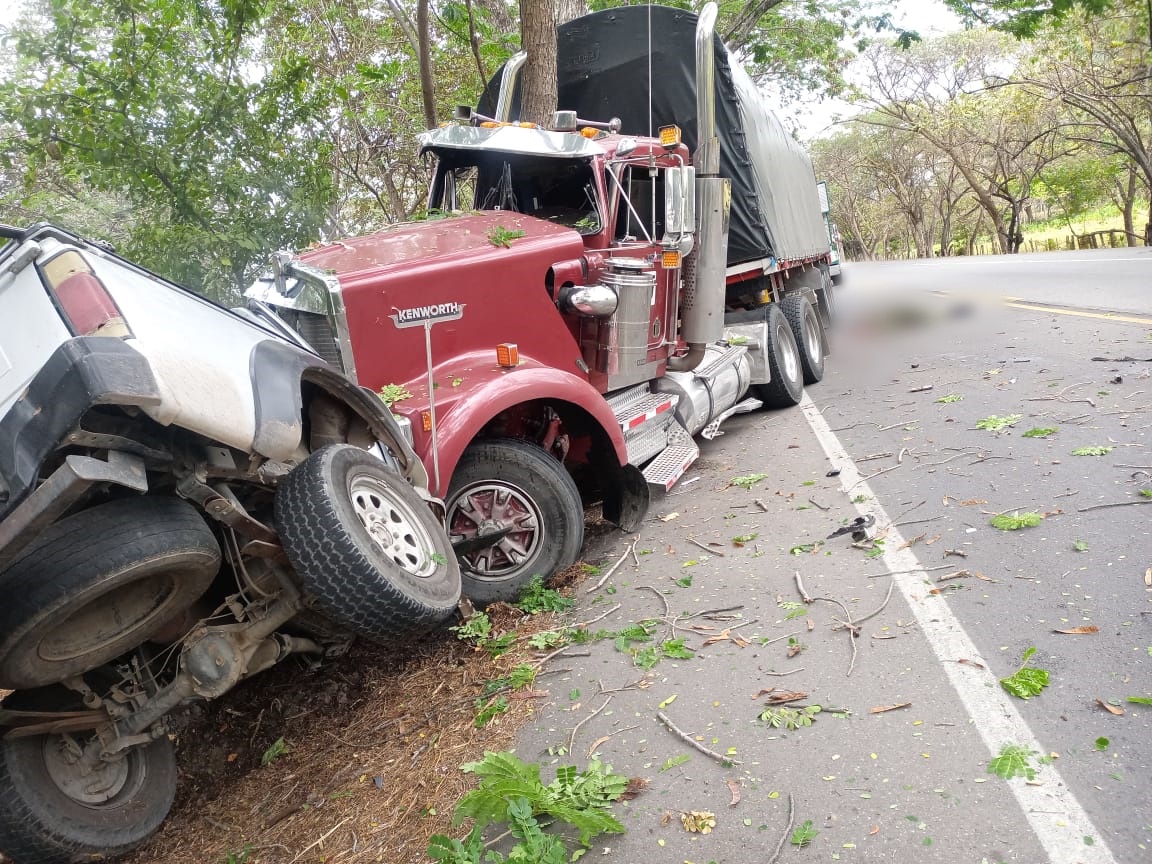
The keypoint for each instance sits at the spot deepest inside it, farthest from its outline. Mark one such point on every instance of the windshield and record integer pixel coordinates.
(557, 190)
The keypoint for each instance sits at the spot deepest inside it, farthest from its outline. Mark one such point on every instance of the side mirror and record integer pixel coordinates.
(680, 200)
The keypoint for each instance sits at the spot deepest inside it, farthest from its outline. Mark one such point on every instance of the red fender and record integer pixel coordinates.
(488, 391)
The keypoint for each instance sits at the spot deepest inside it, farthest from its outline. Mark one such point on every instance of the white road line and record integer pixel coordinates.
(1051, 809)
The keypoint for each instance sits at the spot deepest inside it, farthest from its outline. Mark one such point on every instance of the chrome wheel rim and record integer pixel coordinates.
(485, 507)
(789, 354)
(392, 526)
(812, 337)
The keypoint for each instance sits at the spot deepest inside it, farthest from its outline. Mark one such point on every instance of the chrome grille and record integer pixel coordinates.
(318, 332)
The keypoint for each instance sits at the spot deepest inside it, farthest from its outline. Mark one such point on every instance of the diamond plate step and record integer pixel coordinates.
(640, 411)
(621, 400)
(670, 465)
(648, 439)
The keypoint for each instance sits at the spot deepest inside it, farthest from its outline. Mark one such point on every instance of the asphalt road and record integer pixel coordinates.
(912, 783)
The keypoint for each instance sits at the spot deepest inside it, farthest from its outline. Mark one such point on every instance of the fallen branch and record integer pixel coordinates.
(818, 506)
(800, 587)
(599, 617)
(707, 549)
(576, 728)
(882, 606)
(787, 831)
(902, 572)
(901, 423)
(612, 569)
(322, 838)
(691, 742)
(874, 474)
(1117, 504)
(604, 738)
(782, 674)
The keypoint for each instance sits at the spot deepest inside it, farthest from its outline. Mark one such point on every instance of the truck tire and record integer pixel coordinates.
(98, 584)
(787, 384)
(809, 333)
(506, 483)
(366, 548)
(50, 813)
(826, 298)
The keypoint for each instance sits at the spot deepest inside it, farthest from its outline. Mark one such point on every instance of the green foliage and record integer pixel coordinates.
(639, 632)
(789, 718)
(535, 598)
(747, 481)
(1079, 546)
(581, 799)
(501, 236)
(741, 539)
(241, 856)
(1022, 18)
(950, 398)
(672, 761)
(684, 581)
(393, 393)
(646, 657)
(448, 850)
(792, 609)
(1101, 744)
(1015, 521)
(804, 834)
(1040, 432)
(547, 639)
(1140, 700)
(1013, 761)
(278, 748)
(1026, 682)
(477, 628)
(998, 424)
(170, 108)
(676, 649)
(1146, 493)
(490, 711)
(1092, 451)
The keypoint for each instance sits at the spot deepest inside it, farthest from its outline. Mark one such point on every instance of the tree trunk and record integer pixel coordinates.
(566, 10)
(427, 86)
(538, 82)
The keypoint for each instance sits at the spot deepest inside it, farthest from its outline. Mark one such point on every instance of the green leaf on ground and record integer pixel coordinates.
(673, 761)
(1101, 744)
(950, 398)
(747, 481)
(1026, 682)
(1016, 520)
(1140, 700)
(804, 834)
(789, 718)
(1013, 761)
(993, 423)
(535, 598)
(1079, 545)
(676, 649)
(1092, 451)
(1040, 432)
(1146, 493)
(501, 236)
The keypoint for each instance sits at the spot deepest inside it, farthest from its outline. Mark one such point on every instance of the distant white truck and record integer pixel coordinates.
(188, 495)
(834, 269)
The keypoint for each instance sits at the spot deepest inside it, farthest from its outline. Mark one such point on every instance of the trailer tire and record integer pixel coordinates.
(503, 482)
(366, 548)
(787, 384)
(809, 333)
(100, 583)
(50, 813)
(826, 298)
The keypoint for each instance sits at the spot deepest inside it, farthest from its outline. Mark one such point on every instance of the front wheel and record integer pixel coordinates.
(54, 810)
(366, 548)
(787, 384)
(513, 486)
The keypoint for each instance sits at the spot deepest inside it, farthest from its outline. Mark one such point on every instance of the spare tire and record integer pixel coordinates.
(367, 549)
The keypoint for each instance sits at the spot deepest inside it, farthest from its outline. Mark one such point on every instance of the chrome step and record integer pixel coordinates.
(620, 401)
(648, 439)
(640, 411)
(670, 465)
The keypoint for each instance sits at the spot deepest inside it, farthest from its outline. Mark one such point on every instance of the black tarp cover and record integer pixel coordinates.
(603, 62)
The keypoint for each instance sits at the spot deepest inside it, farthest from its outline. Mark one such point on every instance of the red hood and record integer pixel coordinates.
(469, 236)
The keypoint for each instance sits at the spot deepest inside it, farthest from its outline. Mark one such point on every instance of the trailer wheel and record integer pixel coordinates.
(365, 545)
(53, 810)
(787, 384)
(509, 484)
(826, 298)
(809, 333)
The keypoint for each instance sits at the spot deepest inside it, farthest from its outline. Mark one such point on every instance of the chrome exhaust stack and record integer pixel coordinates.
(702, 301)
(508, 81)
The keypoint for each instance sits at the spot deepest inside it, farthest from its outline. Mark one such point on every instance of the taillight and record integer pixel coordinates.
(82, 298)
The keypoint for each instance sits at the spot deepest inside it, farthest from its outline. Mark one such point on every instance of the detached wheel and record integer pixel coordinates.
(53, 812)
(508, 484)
(787, 384)
(365, 546)
(809, 333)
(98, 584)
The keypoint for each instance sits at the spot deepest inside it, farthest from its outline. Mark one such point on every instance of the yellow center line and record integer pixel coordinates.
(1016, 303)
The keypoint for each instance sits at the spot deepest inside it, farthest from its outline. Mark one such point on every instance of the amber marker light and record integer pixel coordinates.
(671, 260)
(426, 420)
(669, 136)
(507, 355)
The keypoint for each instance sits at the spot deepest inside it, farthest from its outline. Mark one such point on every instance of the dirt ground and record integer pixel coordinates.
(369, 764)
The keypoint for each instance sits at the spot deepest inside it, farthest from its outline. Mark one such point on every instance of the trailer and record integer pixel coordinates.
(582, 300)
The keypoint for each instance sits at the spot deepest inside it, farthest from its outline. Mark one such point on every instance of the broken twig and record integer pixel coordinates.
(691, 742)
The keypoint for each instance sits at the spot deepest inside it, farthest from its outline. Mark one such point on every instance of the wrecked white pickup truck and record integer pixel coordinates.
(188, 495)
